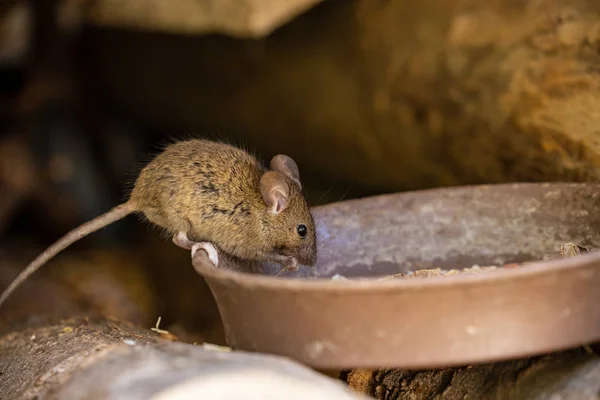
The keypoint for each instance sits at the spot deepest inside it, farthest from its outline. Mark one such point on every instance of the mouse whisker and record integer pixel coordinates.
(345, 194)
(324, 194)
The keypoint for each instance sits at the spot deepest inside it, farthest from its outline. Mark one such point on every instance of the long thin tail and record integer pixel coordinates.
(117, 213)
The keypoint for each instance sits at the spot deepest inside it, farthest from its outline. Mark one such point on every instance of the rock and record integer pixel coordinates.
(248, 18)
(93, 358)
(387, 96)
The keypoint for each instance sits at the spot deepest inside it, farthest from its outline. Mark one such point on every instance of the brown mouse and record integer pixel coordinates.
(211, 195)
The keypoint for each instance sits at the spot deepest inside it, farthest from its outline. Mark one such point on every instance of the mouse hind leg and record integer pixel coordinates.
(156, 217)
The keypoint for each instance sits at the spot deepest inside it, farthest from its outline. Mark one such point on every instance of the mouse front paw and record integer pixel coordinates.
(208, 247)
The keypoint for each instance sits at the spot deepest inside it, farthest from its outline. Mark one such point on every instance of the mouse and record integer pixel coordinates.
(210, 195)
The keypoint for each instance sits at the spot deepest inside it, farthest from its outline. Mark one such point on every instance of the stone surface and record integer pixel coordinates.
(248, 18)
(569, 375)
(385, 96)
(92, 358)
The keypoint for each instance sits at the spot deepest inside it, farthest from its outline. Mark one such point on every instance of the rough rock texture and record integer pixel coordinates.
(93, 358)
(570, 375)
(405, 95)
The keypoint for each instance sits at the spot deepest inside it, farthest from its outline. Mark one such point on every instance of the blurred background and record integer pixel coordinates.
(367, 96)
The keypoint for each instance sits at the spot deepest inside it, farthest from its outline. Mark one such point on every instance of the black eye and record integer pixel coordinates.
(302, 230)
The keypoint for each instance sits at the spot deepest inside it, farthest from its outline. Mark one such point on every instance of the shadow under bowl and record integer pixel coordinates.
(549, 305)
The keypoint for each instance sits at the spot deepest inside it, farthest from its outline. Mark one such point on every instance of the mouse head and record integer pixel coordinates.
(291, 236)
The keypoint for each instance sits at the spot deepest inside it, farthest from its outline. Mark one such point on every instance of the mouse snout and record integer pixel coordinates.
(307, 257)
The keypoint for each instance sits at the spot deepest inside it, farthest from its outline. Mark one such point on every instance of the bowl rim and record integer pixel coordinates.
(537, 268)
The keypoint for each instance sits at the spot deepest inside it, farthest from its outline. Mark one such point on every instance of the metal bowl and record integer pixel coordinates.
(549, 305)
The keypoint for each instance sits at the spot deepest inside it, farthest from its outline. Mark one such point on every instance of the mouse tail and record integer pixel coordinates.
(117, 213)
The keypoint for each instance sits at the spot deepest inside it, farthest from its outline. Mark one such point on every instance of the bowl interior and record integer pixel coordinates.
(452, 228)
(428, 323)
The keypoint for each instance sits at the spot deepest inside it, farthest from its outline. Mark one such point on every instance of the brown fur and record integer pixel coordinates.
(213, 192)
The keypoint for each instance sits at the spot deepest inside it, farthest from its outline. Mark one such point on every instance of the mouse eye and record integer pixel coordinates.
(302, 230)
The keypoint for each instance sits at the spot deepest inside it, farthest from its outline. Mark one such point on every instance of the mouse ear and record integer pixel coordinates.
(287, 166)
(275, 191)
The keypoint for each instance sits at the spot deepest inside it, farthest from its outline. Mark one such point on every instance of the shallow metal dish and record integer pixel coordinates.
(434, 322)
